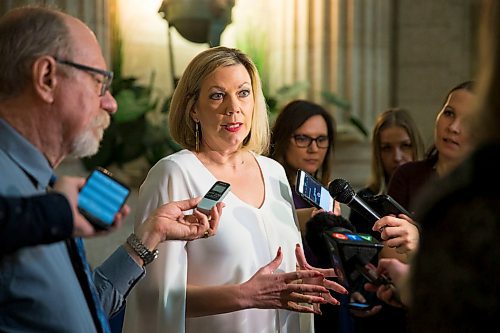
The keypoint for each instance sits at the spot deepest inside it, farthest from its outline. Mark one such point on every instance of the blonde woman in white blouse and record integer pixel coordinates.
(244, 278)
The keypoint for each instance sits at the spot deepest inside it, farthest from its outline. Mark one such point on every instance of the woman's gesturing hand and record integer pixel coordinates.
(270, 290)
(326, 272)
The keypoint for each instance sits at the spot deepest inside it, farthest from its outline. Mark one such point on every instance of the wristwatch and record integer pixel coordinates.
(142, 251)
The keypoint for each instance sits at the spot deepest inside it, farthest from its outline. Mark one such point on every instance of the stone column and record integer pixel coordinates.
(363, 57)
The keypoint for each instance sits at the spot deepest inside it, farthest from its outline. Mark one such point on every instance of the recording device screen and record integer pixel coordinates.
(217, 193)
(350, 253)
(313, 192)
(218, 190)
(101, 198)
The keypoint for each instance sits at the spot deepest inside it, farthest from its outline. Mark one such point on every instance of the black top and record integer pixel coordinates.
(408, 180)
(29, 221)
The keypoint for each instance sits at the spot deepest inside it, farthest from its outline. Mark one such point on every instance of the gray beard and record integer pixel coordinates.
(87, 144)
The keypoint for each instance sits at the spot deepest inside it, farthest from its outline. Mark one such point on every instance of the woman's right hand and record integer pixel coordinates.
(267, 289)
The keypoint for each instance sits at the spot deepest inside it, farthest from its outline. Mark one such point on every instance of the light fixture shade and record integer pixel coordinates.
(199, 21)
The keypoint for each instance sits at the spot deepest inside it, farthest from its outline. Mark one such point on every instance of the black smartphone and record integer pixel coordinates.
(360, 306)
(216, 194)
(369, 272)
(313, 192)
(101, 198)
(385, 205)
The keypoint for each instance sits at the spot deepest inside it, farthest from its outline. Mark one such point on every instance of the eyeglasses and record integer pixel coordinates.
(105, 83)
(304, 141)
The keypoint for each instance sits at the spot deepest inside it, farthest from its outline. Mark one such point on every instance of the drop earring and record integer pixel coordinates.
(197, 136)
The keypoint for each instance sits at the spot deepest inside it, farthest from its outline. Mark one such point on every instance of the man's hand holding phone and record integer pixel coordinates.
(101, 198)
(70, 187)
(168, 222)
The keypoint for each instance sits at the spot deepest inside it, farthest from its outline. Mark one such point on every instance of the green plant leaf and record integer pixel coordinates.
(334, 99)
(359, 125)
(290, 91)
(130, 107)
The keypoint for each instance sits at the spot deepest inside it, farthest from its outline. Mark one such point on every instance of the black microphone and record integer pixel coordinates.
(342, 191)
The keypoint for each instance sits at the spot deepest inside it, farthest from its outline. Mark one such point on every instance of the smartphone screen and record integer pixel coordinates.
(359, 306)
(101, 198)
(313, 192)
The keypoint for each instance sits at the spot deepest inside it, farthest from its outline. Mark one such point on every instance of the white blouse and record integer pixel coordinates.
(247, 239)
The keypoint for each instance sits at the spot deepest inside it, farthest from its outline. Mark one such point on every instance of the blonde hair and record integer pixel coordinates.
(390, 118)
(182, 126)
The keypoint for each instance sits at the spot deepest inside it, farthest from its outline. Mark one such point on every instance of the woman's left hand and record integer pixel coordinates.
(327, 272)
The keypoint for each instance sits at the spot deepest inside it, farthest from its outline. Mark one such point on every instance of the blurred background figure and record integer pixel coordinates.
(396, 140)
(458, 261)
(452, 143)
(303, 137)
(458, 258)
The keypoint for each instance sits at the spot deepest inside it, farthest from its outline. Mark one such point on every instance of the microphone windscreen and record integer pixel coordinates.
(323, 223)
(341, 190)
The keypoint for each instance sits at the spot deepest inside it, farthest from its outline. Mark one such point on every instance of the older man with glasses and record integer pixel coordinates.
(55, 102)
(104, 83)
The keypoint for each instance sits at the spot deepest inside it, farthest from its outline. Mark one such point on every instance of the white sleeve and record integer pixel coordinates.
(158, 301)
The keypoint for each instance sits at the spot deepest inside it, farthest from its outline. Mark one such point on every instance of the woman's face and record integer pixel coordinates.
(452, 137)
(225, 108)
(308, 158)
(395, 148)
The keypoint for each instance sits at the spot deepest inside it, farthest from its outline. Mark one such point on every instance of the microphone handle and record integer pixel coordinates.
(362, 208)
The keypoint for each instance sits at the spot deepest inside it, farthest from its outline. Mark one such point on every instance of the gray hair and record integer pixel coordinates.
(27, 33)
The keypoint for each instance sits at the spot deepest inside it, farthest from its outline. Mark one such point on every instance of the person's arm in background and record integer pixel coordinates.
(395, 293)
(305, 214)
(47, 218)
(29, 221)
